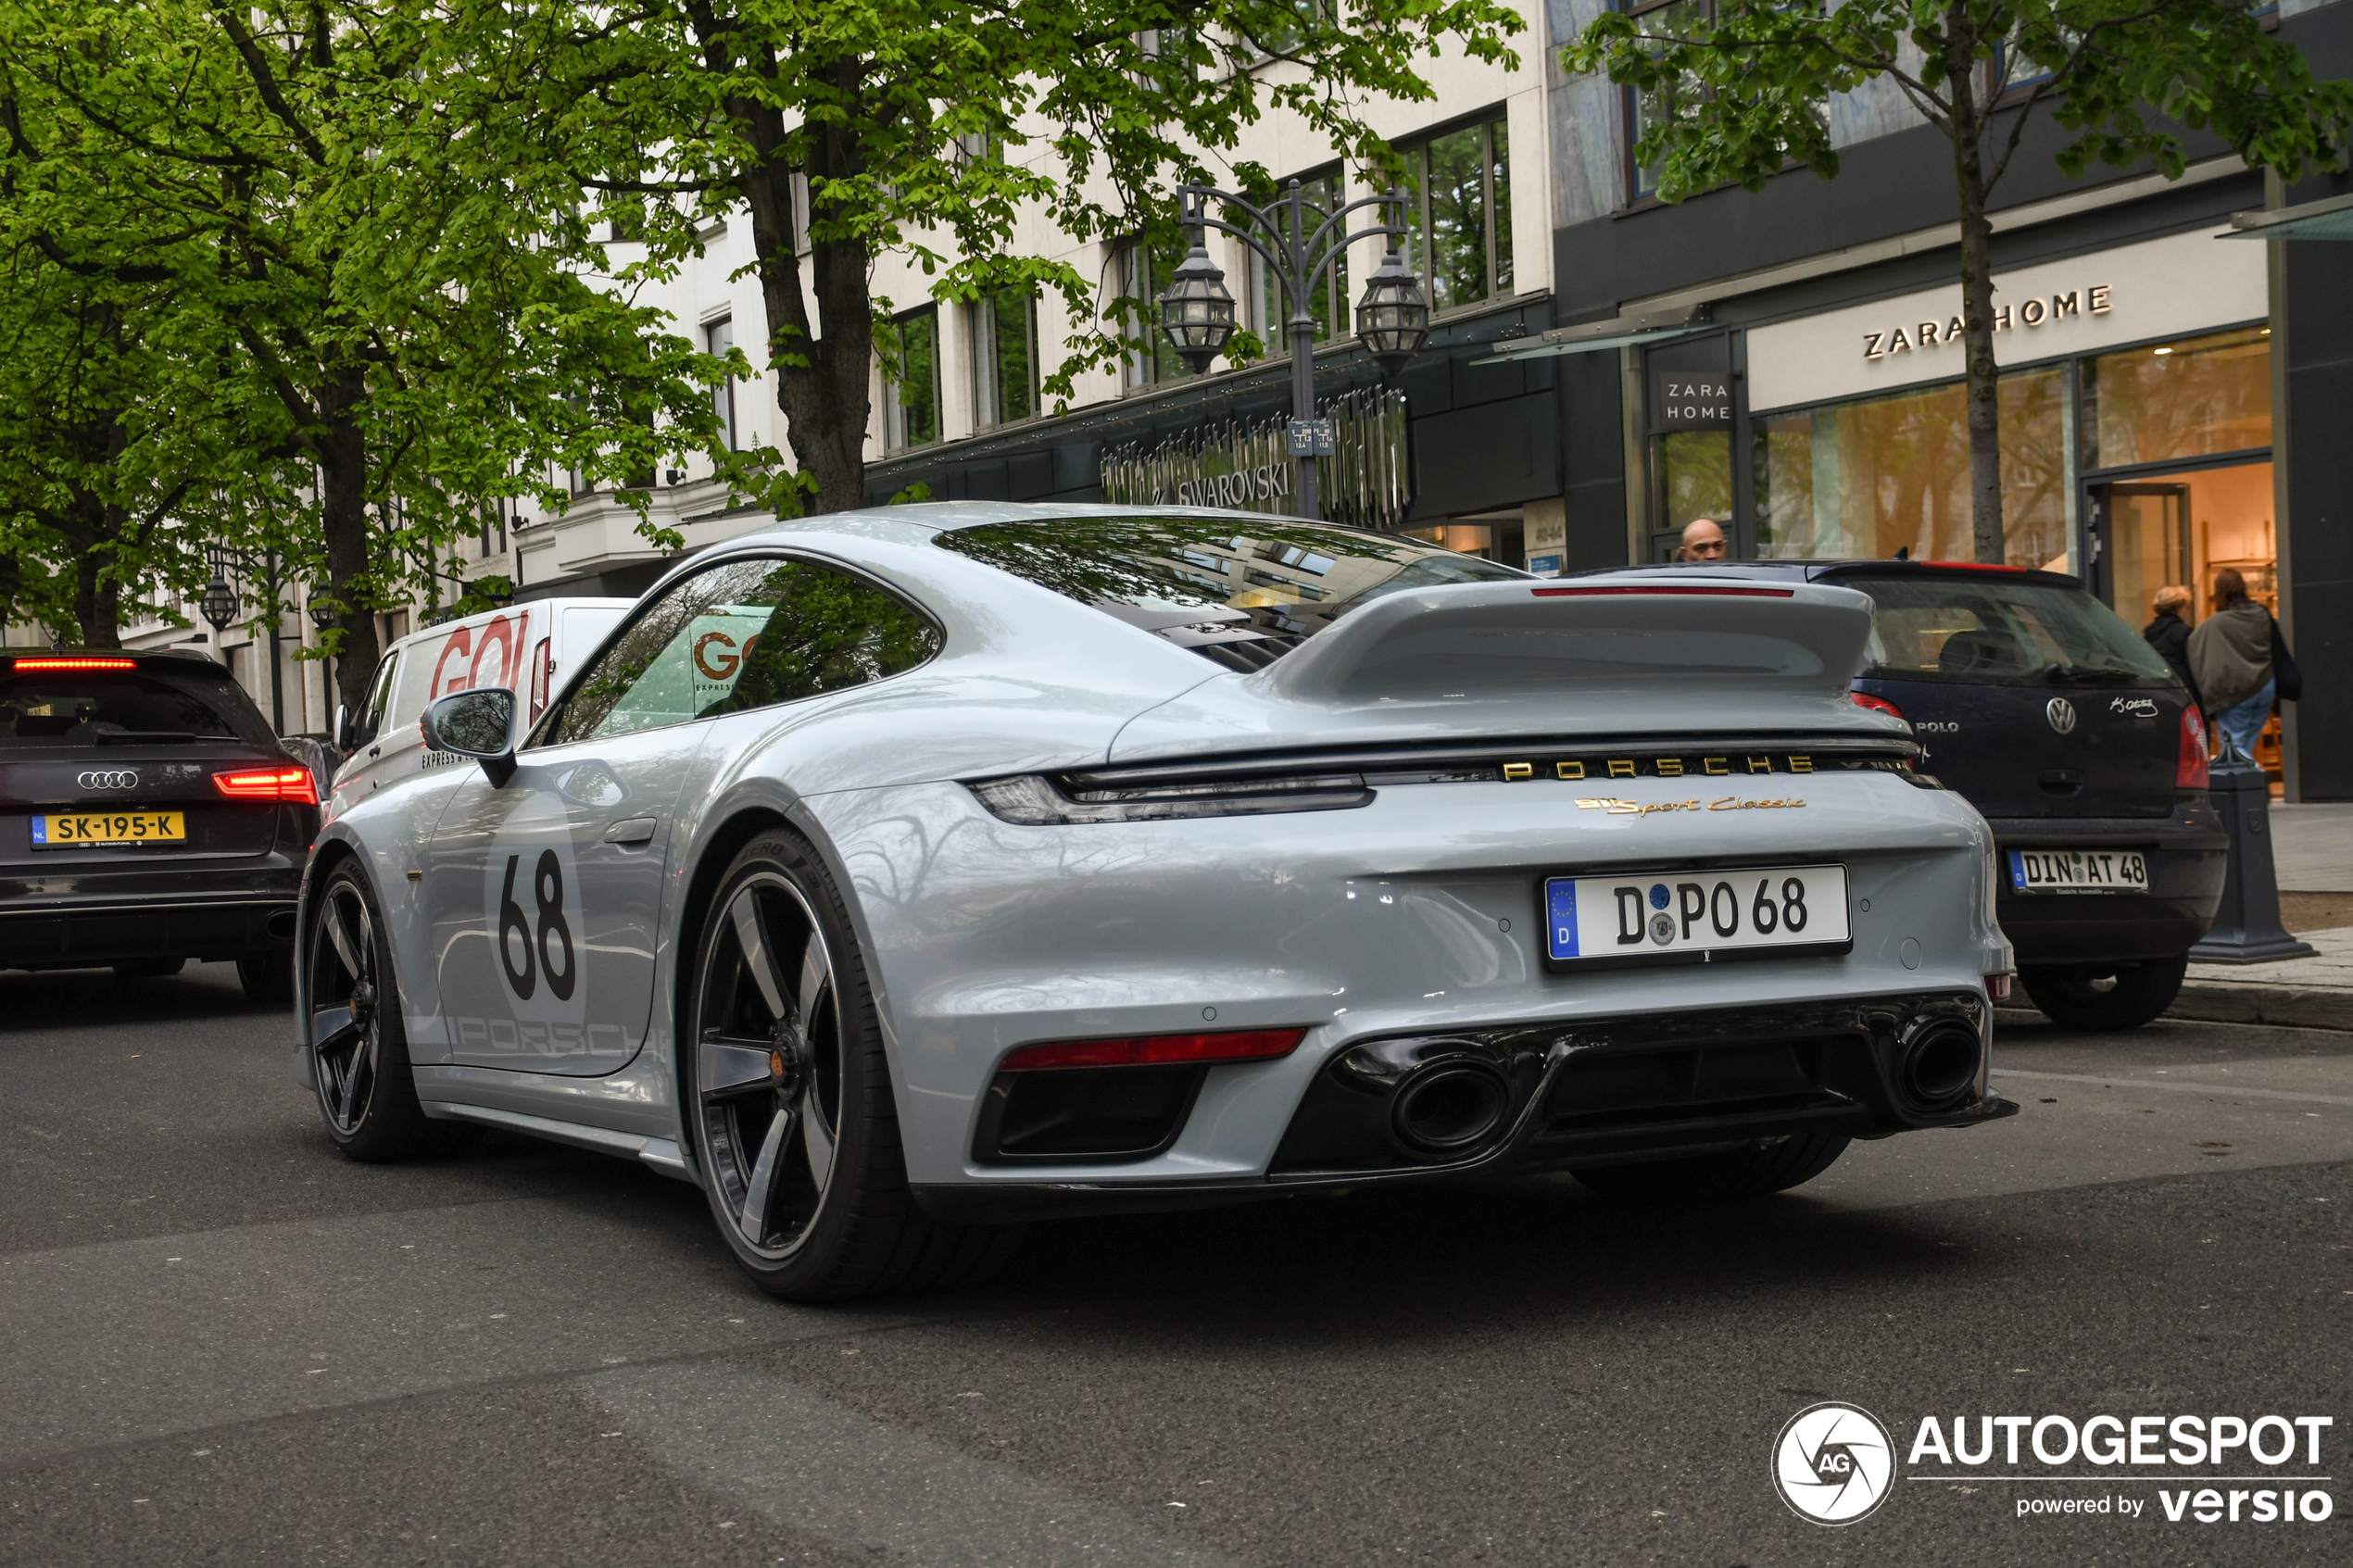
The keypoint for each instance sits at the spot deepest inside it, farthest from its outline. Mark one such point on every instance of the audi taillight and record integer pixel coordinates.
(1876, 704)
(292, 784)
(2189, 773)
(1154, 1050)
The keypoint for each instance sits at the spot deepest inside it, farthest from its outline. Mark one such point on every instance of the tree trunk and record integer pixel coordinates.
(1977, 291)
(92, 528)
(341, 457)
(821, 381)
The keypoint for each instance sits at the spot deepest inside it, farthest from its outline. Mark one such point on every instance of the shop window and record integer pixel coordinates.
(1150, 360)
(911, 404)
(1005, 356)
(1461, 239)
(1330, 305)
(1867, 478)
(1645, 111)
(2187, 399)
(1689, 416)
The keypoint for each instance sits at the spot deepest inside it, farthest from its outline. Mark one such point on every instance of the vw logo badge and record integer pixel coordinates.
(101, 778)
(1833, 1463)
(2062, 713)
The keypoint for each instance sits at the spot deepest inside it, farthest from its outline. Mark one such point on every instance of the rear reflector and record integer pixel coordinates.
(1153, 1050)
(1998, 987)
(1694, 589)
(269, 784)
(2189, 770)
(1876, 704)
(74, 664)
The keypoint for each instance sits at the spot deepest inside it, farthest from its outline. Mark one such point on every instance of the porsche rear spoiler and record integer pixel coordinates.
(1671, 652)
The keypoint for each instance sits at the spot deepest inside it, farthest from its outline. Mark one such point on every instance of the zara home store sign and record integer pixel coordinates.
(2171, 287)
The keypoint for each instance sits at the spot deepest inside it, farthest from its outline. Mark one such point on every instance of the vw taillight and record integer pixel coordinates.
(290, 784)
(1876, 704)
(2190, 772)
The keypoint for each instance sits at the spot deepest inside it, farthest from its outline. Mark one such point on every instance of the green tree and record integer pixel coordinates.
(390, 313)
(851, 128)
(1740, 98)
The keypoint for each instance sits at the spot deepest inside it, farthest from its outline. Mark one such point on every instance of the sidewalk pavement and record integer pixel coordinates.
(2312, 847)
(2314, 993)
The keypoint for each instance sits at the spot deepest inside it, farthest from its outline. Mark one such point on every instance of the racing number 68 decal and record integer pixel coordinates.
(548, 892)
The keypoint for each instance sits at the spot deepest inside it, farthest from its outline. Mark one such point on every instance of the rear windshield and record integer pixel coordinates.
(122, 707)
(1998, 629)
(1241, 599)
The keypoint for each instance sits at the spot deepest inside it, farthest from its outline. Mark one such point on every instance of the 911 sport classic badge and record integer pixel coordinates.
(1833, 1463)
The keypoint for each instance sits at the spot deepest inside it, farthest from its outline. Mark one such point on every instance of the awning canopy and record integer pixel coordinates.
(1593, 336)
(2330, 219)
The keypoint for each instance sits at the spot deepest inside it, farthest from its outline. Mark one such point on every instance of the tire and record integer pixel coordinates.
(148, 969)
(367, 1091)
(268, 978)
(2105, 997)
(787, 1099)
(1752, 1171)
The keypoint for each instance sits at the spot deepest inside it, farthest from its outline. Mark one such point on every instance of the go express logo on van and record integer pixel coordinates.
(506, 634)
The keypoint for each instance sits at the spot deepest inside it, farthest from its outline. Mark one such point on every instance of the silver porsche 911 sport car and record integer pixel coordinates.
(899, 874)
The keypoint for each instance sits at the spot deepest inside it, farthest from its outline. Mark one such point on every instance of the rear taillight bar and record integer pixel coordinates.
(74, 664)
(1694, 589)
(293, 783)
(1156, 1050)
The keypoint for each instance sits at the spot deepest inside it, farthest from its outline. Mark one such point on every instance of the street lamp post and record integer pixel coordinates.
(1298, 240)
(219, 606)
(325, 614)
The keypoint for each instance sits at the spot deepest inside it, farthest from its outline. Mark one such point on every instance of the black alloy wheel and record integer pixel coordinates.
(1753, 1169)
(2103, 997)
(359, 1052)
(789, 1100)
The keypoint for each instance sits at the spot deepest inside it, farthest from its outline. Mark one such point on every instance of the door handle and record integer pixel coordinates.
(633, 830)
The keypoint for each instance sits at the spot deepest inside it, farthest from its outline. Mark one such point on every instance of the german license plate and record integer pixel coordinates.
(2079, 871)
(1694, 915)
(109, 827)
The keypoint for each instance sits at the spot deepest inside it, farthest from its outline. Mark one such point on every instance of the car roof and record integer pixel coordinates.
(1835, 570)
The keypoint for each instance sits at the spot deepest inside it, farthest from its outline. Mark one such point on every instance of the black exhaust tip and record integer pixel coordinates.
(1941, 1065)
(281, 926)
(1454, 1108)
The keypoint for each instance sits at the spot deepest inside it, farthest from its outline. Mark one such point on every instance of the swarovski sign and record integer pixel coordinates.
(1246, 465)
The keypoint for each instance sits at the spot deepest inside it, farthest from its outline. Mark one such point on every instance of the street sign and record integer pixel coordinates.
(1313, 438)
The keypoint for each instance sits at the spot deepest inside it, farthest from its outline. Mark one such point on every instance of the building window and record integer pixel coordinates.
(1146, 272)
(1005, 356)
(2187, 399)
(1645, 111)
(1460, 242)
(911, 407)
(718, 337)
(1330, 302)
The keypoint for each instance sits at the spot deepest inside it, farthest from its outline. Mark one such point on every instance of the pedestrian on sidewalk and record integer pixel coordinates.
(1703, 540)
(2242, 665)
(2169, 633)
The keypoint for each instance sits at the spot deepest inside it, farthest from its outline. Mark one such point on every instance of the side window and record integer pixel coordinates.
(371, 718)
(748, 633)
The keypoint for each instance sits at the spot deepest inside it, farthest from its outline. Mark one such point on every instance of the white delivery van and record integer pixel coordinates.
(525, 647)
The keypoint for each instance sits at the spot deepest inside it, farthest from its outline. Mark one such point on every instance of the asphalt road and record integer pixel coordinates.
(221, 1343)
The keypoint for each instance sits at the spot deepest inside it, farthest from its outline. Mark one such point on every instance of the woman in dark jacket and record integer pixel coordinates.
(2170, 634)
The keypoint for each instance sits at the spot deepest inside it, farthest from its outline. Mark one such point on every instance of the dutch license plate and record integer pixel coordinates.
(1694, 914)
(2079, 871)
(108, 827)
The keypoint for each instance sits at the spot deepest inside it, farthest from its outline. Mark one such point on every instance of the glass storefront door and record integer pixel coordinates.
(2141, 543)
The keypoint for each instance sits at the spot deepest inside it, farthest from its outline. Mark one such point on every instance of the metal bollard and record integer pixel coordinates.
(2246, 928)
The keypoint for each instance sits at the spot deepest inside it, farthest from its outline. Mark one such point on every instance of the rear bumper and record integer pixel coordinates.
(2189, 855)
(1582, 1093)
(104, 918)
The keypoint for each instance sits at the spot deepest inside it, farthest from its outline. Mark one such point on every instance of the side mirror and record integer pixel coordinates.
(479, 723)
(344, 741)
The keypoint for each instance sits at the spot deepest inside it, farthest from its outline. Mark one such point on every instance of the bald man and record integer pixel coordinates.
(1701, 541)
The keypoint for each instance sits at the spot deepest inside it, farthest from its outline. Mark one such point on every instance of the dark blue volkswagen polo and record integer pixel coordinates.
(2082, 749)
